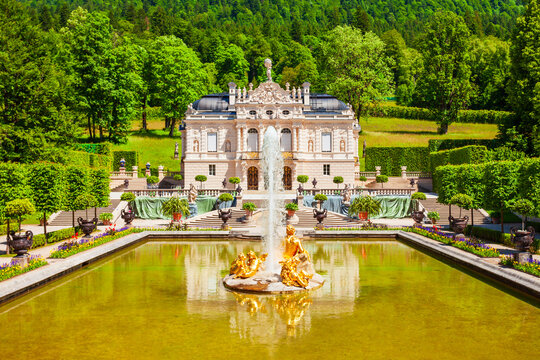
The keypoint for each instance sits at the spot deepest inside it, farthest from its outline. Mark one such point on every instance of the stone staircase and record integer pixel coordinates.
(64, 218)
(211, 219)
(306, 219)
(432, 204)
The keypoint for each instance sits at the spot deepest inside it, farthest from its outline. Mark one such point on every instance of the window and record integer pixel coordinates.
(212, 170)
(269, 112)
(253, 140)
(326, 169)
(252, 112)
(286, 112)
(286, 140)
(212, 142)
(326, 142)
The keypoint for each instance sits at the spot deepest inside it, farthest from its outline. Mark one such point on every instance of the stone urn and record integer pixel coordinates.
(458, 225)
(418, 217)
(87, 226)
(320, 215)
(20, 243)
(225, 215)
(522, 238)
(128, 215)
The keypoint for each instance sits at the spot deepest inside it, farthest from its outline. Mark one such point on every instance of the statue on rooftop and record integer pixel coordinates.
(268, 65)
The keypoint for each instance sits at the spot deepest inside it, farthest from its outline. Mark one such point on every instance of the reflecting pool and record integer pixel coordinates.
(164, 300)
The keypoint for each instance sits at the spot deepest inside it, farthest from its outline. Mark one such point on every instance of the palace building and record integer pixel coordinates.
(224, 133)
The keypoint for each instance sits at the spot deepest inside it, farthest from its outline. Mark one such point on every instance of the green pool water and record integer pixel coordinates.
(164, 300)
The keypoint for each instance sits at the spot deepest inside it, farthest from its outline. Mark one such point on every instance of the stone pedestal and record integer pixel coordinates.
(377, 170)
(239, 201)
(292, 220)
(404, 172)
(122, 171)
(522, 257)
(21, 260)
(300, 199)
(161, 173)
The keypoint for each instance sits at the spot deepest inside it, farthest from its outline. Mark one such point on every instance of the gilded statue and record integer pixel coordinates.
(247, 266)
(292, 309)
(291, 276)
(293, 249)
(254, 303)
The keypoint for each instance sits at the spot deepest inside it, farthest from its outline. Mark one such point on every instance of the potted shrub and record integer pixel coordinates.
(175, 207)
(201, 179)
(127, 196)
(83, 202)
(417, 215)
(321, 198)
(249, 208)
(381, 179)
(225, 197)
(302, 179)
(463, 201)
(364, 206)
(338, 180)
(19, 209)
(106, 218)
(291, 209)
(433, 216)
(523, 238)
(152, 181)
(235, 181)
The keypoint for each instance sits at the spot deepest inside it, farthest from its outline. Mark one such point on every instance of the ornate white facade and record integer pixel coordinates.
(224, 133)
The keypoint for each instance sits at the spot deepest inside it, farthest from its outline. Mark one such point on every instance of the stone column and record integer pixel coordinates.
(349, 141)
(161, 173)
(293, 135)
(135, 170)
(261, 135)
(238, 140)
(404, 172)
(244, 138)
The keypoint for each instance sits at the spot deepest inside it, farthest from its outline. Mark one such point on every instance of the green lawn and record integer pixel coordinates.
(154, 146)
(401, 132)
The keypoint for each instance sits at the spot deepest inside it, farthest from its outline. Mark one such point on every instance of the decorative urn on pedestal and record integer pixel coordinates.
(128, 215)
(458, 225)
(87, 226)
(522, 238)
(20, 243)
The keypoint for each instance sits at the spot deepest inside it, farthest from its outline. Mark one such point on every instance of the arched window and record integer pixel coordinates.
(253, 140)
(342, 146)
(196, 146)
(227, 146)
(310, 146)
(286, 140)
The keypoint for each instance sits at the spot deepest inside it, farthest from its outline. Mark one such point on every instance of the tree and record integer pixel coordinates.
(18, 209)
(501, 182)
(361, 20)
(524, 88)
(338, 180)
(356, 69)
(381, 179)
(179, 75)
(444, 86)
(231, 66)
(201, 179)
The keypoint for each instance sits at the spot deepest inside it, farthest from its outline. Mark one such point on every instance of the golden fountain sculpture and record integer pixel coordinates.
(297, 271)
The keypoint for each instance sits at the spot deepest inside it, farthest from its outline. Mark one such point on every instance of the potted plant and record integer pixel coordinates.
(152, 181)
(225, 197)
(83, 202)
(381, 179)
(433, 216)
(19, 209)
(291, 209)
(302, 179)
(249, 208)
(338, 180)
(201, 179)
(417, 215)
(320, 198)
(235, 181)
(364, 206)
(175, 207)
(106, 218)
(523, 238)
(463, 201)
(127, 196)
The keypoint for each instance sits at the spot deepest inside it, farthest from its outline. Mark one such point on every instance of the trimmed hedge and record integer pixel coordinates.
(464, 116)
(489, 235)
(391, 159)
(101, 148)
(472, 154)
(131, 157)
(55, 236)
(449, 144)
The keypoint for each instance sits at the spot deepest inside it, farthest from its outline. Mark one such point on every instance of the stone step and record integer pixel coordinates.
(433, 205)
(65, 217)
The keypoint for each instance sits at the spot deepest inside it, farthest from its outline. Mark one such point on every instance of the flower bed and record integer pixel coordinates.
(532, 266)
(10, 270)
(479, 249)
(73, 247)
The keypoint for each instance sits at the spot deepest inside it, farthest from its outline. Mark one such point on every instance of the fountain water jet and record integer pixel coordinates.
(272, 167)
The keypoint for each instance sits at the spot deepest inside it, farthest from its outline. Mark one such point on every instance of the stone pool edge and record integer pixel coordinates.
(21, 284)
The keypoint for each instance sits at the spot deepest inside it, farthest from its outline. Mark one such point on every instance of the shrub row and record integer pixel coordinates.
(54, 236)
(472, 154)
(51, 187)
(131, 157)
(465, 116)
(448, 144)
(84, 159)
(392, 158)
(101, 149)
(492, 185)
(489, 235)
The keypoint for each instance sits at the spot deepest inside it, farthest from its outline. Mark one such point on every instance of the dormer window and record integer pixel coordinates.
(252, 112)
(286, 112)
(269, 112)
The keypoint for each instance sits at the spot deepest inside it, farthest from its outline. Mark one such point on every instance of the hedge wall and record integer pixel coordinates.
(131, 157)
(13, 184)
(101, 149)
(465, 116)
(448, 144)
(391, 159)
(472, 154)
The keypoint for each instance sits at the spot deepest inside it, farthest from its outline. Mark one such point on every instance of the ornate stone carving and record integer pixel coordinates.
(270, 93)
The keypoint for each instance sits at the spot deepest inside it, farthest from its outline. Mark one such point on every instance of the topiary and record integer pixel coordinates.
(127, 196)
(201, 179)
(249, 206)
(321, 197)
(463, 201)
(18, 208)
(302, 179)
(338, 180)
(381, 179)
(523, 207)
(418, 196)
(225, 197)
(177, 177)
(152, 180)
(362, 178)
(83, 202)
(291, 206)
(234, 180)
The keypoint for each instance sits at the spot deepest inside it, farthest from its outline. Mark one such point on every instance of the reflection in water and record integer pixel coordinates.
(283, 313)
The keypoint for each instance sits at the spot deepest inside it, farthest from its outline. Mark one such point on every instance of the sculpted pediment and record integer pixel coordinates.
(269, 93)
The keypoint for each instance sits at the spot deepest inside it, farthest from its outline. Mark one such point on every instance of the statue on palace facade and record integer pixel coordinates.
(268, 65)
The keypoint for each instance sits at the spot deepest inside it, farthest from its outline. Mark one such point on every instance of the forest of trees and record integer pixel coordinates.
(100, 64)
